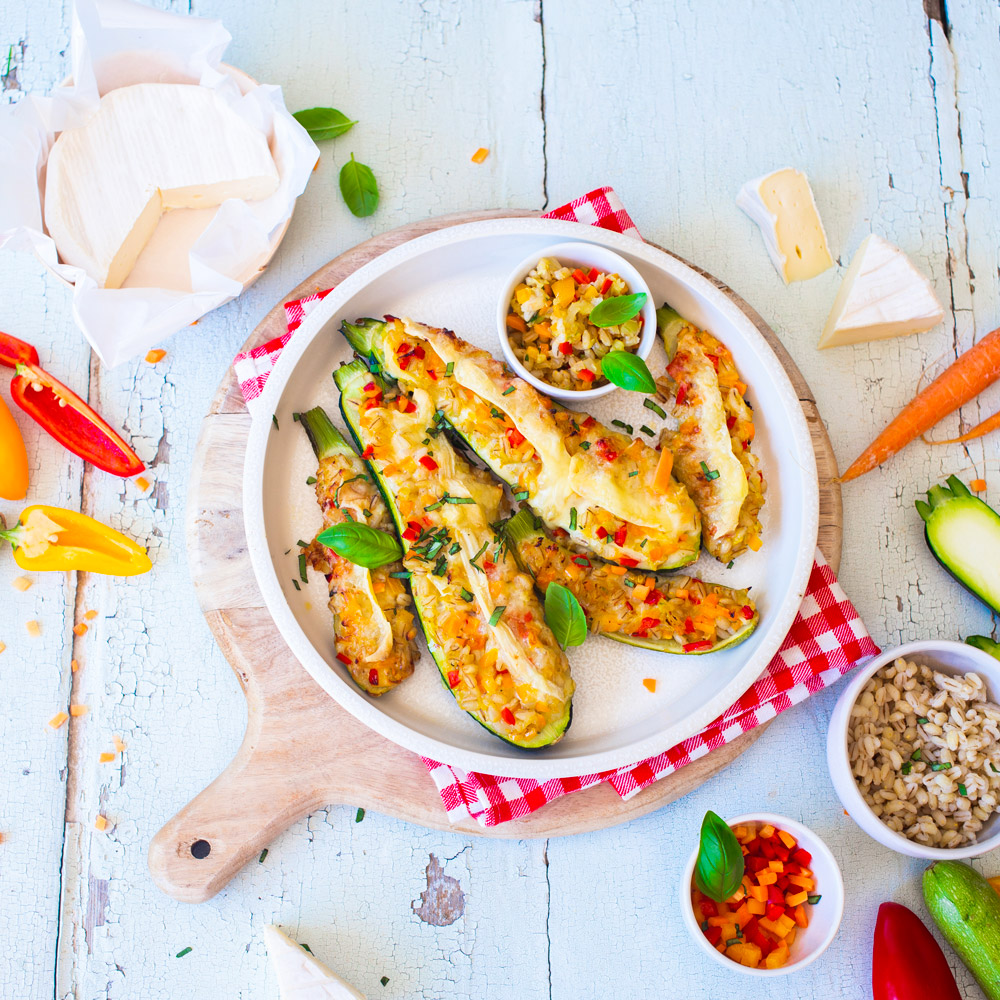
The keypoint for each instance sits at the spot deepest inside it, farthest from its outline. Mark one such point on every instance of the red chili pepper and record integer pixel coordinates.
(621, 534)
(907, 962)
(628, 561)
(579, 277)
(508, 716)
(368, 452)
(67, 418)
(715, 361)
(648, 623)
(690, 647)
(514, 437)
(682, 390)
(428, 463)
(592, 273)
(565, 348)
(344, 658)
(410, 407)
(453, 678)
(14, 352)
(586, 374)
(560, 533)
(605, 285)
(601, 532)
(373, 676)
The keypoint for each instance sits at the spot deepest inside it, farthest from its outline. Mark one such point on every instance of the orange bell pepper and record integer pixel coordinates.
(13, 457)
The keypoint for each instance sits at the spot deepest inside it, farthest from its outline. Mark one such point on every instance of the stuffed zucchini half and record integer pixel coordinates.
(711, 446)
(599, 486)
(484, 624)
(373, 626)
(670, 613)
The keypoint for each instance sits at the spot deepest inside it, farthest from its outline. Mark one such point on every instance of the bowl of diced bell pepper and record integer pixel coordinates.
(787, 909)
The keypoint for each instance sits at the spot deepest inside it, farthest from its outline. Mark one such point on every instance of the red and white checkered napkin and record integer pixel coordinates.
(826, 639)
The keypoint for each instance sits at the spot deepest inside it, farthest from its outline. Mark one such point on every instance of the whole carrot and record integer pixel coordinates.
(977, 368)
(989, 424)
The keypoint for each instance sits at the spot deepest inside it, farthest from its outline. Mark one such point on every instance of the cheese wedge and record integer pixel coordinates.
(300, 975)
(149, 148)
(783, 206)
(882, 295)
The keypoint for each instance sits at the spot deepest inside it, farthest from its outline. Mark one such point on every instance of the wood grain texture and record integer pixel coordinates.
(301, 749)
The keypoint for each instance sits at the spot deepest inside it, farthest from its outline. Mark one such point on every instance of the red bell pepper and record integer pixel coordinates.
(907, 962)
(63, 414)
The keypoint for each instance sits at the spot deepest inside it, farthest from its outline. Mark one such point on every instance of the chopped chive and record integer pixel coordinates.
(426, 441)
(642, 544)
(306, 947)
(360, 816)
(367, 512)
(263, 854)
(907, 767)
(624, 426)
(585, 445)
(581, 561)
(497, 614)
(296, 416)
(521, 495)
(628, 582)
(916, 755)
(658, 410)
(441, 566)
(994, 768)
(311, 481)
(486, 545)
(274, 420)
(185, 951)
(710, 474)
(296, 582)
(943, 766)
(301, 544)
(963, 791)
(401, 574)
(454, 548)
(438, 416)
(729, 565)
(704, 925)
(434, 548)
(923, 721)
(303, 573)
(434, 506)
(635, 473)
(813, 900)
(647, 430)
(507, 391)
(732, 941)
(449, 369)
(572, 519)
(448, 499)
(497, 414)
(385, 979)
(287, 551)
(466, 596)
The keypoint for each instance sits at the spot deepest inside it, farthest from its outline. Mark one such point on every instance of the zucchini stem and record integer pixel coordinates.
(325, 439)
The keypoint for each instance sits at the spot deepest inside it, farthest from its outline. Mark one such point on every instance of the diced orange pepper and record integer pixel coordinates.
(759, 892)
(785, 923)
(766, 832)
(776, 866)
(787, 839)
(74, 665)
(90, 615)
(754, 543)
(142, 483)
(564, 289)
(77, 710)
(80, 629)
(802, 881)
(106, 758)
(770, 926)
(977, 485)
(58, 720)
(743, 915)
(649, 683)
(101, 823)
(796, 898)
(766, 877)
(157, 354)
(664, 467)
(119, 745)
(515, 322)
(480, 154)
(800, 916)
(757, 907)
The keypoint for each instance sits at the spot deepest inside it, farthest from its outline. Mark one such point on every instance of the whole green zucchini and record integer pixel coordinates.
(967, 909)
(985, 643)
(963, 534)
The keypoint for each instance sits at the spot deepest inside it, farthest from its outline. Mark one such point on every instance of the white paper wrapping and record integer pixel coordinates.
(115, 43)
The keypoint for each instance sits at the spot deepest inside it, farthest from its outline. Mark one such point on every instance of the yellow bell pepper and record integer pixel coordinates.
(13, 457)
(52, 538)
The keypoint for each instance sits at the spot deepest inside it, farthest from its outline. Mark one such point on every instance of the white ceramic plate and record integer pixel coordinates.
(452, 278)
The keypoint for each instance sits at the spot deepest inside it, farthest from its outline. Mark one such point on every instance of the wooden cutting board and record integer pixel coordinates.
(301, 750)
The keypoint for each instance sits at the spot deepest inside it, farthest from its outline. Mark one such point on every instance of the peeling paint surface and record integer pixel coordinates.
(890, 110)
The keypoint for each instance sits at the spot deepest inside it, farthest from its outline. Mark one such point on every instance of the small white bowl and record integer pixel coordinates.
(949, 657)
(587, 255)
(824, 917)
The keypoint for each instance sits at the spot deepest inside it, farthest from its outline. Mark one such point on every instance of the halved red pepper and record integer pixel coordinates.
(907, 962)
(63, 414)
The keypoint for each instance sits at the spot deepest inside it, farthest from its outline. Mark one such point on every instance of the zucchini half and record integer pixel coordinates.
(676, 614)
(484, 623)
(373, 626)
(963, 534)
(559, 460)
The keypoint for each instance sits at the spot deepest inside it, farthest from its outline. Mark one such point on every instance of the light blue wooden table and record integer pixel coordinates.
(893, 115)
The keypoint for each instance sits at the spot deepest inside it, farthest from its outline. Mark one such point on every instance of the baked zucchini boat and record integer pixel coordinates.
(484, 624)
(374, 629)
(711, 446)
(669, 613)
(597, 485)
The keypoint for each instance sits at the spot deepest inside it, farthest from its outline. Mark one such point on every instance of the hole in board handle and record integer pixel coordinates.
(201, 849)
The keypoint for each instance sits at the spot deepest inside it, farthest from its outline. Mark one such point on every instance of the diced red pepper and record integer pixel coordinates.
(404, 348)
(775, 895)
(803, 857)
(682, 391)
(781, 851)
(774, 911)
(508, 716)
(601, 532)
(410, 407)
(432, 374)
(565, 348)
(715, 361)
(753, 847)
(690, 647)
(648, 623)
(605, 285)
(621, 534)
(514, 437)
(373, 676)
(747, 613)
(767, 849)
(730, 422)
(755, 863)
(688, 625)
(628, 561)
(344, 658)
(418, 352)
(654, 597)
(586, 374)
(453, 678)
(370, 387)
(714, 935)
(782, 882)
(592, 274)
(14, 352)
(560, 533)
(605, 450)
(404, 363)
(368, 452)
(579, 277)
(708, 908)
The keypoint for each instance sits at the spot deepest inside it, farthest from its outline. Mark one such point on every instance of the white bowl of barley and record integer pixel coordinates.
(958, 753)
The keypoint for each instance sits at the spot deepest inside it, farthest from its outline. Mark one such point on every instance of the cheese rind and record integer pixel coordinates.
(300, 975)
(147, 149)
(882, 295)
(783, 206)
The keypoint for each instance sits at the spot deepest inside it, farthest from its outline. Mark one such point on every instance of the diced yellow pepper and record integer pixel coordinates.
(766, 877)
(766, 831)
(776, 866)
(800, 916)
(796, 898)
(787, 839)
(743, 915)
(785, 923)
(564, 289)
(759, 892)
(522, 293)
(802, 881)
(770, 926)
(777, 958)
(757, 907)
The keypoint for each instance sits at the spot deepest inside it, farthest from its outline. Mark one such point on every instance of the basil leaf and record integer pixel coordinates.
(627, 372)
(564, 616)
(719, 869)
(617, 310)
(324, 123)
(358, 186)
(361, 545)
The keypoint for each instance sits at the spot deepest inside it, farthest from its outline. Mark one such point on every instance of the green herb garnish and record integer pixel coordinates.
(922, 721)
(467, 596)
(943, 766)
(627, 371)
(303, 572)
(361, 545)
(263, 854)
(585, 445)
(624, 426)
(572, 519)
(658, 410)
(647, 430)
(359, 188)
(441, 566)
(336, 493)
(473, 562)
(306, 947)
(617, 310)
(507, 391)
(962, 790)
(564, 616)
(521, 495)
(729, 565)
(401, 574)
(434, 506)
(311, 481)
(360, 816)
(907, 767)
(635, 473)
(183, 952)
(449, 369)
(448, 499)
(718, 872)
(582, 561)
(454, 548)
(497, 614)
(274, 420)
(323, 123)
(916, 755)
(710, 474)
(384, 980)
(296, 583)
(813, 900)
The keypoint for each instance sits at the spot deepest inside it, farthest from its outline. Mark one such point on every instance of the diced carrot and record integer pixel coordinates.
(90, 615)
(74, 665)
(119, 745)
(21, 583)
(101, 823)
(664, 467)
(157, 354)
(77, 710)
(106, 758)
(34, 629)
(480, 154)
(754, 543)
(649, 683)
(58, 720)
(516, 323)
(142, 483)
(977, 485)
(80, 628)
